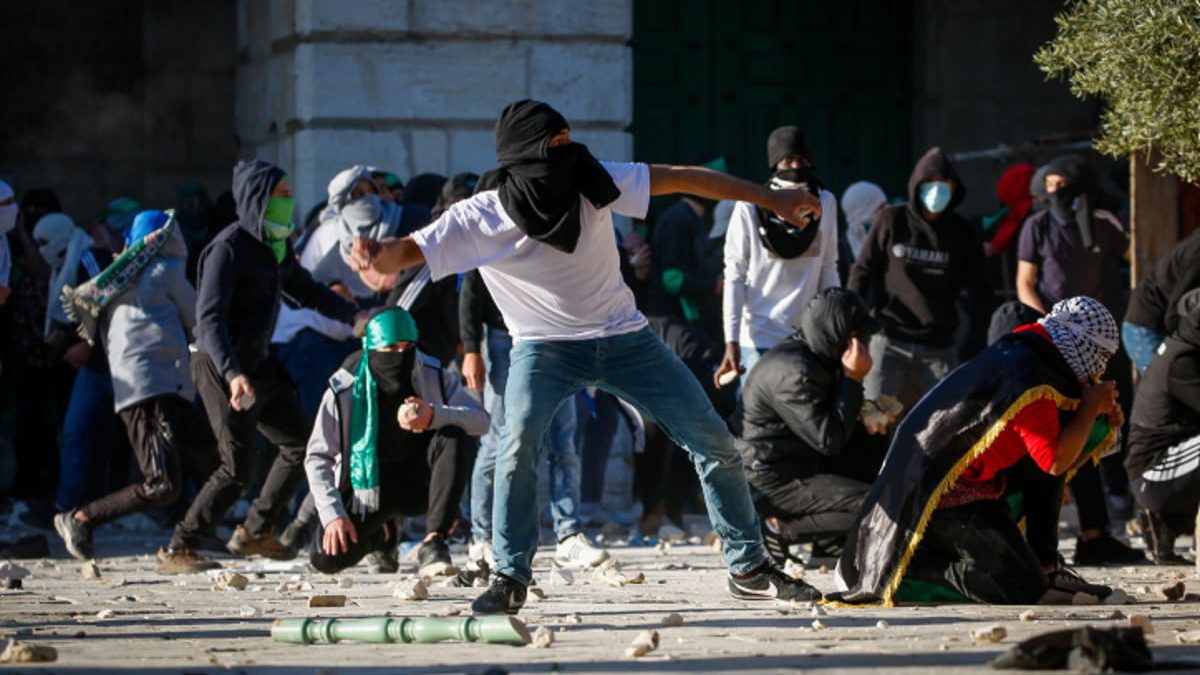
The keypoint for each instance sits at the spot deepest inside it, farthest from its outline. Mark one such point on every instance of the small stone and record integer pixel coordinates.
(304, 586)
(1117, 597)
(89, 570)
(1189, 638)
(818, 610)
(1081, 598)
(1116, 615)
(256, 588)
(662, 548)
(881, 624)
(536, 594)
(793, 569)
(411, 589)
(105, 614)
(345, 582)
(283, 587)
(561, 577)
(573, 618)
(327, 601)
(994, 633)
(823, 569)
(232, 581)
(1172, 592)
(19, 652)
(542, 638)
(249, 611)
(1142, 621)
(1029, 615)
(673, 619)
(643, 644)
(818, 625)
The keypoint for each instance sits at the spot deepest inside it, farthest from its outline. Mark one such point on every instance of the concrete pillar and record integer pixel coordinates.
(415, 85)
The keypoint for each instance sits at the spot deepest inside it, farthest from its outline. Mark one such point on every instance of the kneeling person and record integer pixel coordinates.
(799, 408)
(393, 437)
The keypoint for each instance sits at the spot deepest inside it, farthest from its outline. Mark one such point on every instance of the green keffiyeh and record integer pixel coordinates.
(388, 327)
(84, 302)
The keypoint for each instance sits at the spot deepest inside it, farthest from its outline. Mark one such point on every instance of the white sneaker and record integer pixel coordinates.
(577, 551)
(481, 552)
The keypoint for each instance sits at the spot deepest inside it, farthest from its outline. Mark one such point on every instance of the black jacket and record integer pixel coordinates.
(1152, 303)
(679, 243)
(476, 309)
(913, 270)
(240, 284)
(1166, 409)
(798, 407)
(435, 309)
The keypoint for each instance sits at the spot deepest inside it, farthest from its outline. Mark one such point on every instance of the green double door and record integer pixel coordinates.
(719, 76)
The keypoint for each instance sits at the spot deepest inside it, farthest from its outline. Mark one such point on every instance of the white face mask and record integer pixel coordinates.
(363, 212)
(935, 195)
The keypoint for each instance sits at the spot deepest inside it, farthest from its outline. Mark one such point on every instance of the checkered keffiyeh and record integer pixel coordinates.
(1085, 333)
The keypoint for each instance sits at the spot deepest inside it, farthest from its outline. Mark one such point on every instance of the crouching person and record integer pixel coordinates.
(798, 409)
(1164, 437)
(394, 436)
(1021, 416)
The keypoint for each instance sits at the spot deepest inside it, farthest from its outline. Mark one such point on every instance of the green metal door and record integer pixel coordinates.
(719, 76)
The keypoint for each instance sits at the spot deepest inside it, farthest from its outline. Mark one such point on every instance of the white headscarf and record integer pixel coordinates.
(365, 216)
(65, 245)
(8, 212)
(859, 203)
(1085, 333)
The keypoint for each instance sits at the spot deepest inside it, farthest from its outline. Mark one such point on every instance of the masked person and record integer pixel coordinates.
(918, 258)
(772, 268)
(1152, 311)
(140, 312)
(394, 437)
(800, 410)
(543, 242)
(1164, 437)
(243, 273)
(1019, 417)
(860, 203)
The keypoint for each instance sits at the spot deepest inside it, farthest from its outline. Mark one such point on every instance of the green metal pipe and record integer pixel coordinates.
(504, 629)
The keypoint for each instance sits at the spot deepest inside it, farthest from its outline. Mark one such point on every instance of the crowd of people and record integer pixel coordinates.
(397, 367)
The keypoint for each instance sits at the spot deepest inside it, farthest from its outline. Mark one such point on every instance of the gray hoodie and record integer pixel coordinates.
(327, 460)
(146, 330)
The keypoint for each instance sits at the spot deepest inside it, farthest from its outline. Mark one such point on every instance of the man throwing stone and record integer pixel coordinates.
(545, 247)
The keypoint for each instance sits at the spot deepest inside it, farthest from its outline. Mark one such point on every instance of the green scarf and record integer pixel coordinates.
(277, 225)
(84, 303)
(388, 327)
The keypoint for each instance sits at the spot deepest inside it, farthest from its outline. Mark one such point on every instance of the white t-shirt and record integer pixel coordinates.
(544, 293)
(765, 294)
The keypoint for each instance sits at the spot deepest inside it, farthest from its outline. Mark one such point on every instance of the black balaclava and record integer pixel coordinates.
(423, 189)
(540, 185)
(1081, 195)
(785, 142)
(393, 372)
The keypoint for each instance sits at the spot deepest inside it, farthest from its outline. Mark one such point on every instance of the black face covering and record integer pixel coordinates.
(540, 185)
(1075, 201)
(393, 372)
(779, 236)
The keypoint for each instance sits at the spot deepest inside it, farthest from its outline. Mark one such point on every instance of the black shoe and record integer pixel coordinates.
(434, 558)
(295, 535)
(770, 583)
(384, 561)
(1067, 581)
(76, 535)
(1160, 539)
(827, 549)
(505, 596)
(1105, 550)
(775, 544)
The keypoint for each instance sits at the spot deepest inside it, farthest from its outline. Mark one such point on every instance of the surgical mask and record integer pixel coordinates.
(363, 212)
(935, 195)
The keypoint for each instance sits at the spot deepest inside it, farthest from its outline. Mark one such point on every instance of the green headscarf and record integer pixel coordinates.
(388, 327)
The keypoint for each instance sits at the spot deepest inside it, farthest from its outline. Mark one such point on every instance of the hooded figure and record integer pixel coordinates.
(1079, 198)
(63, 246)
(1013, 192)
(363, 216)
(959, 428)
(540, 186)
(860, 202)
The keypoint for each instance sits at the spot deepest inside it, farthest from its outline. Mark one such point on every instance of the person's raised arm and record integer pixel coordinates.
(793, 205)
(387, 256)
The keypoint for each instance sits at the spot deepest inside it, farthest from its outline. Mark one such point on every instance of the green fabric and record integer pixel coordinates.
(915, 590)
(718, 164)
(672, 281)
(990, 221)
(121, 207)
(388, 327)
(1098, 432)
(277, 225)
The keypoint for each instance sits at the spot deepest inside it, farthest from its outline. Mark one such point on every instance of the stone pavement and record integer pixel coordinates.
(133, 620)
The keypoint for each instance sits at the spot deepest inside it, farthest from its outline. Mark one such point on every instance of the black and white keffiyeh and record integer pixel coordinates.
(1085, 333)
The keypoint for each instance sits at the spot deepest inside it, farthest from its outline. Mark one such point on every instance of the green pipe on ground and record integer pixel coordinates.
(501, 629)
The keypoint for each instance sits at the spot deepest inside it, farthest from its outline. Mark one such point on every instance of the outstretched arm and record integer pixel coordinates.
(387, 256)
(792, 205)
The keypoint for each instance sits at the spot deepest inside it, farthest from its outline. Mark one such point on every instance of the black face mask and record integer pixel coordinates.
(781, 237)
(392, 371)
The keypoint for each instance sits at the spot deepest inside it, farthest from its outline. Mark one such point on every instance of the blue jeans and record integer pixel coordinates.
(1140, 344)
(560, 440)
(639, 368)
(91, 430)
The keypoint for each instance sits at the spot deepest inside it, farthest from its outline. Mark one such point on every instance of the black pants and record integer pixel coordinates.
(1170, 488)
(978, 550)
(821, 505)
(166, 433)
(1088, 491)
(276, 414)
(431, 484)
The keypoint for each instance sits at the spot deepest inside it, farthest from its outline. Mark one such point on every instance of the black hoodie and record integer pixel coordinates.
(913, 270)
(1153, 303)
(239, 283)
(798, 408)
(1166, 409)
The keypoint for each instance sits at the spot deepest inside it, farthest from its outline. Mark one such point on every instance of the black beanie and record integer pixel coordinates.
(786, 141)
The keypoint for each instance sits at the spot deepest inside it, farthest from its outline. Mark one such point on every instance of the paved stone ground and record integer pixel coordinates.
(174, 624)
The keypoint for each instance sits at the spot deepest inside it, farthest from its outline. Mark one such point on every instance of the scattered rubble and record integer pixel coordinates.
(411, 589)
(1029, 615)
(20, 652)
(1188, 638)
(327, 601)
(231, 581)
(560, 577)
(673, 619)
(345, 582)
(818, 625)
(643, 644)
(573, 618)
(89, 570)
(818, 610)
(882, 624)
(542, 638)
(989, 634)
(249, 611)
(105, 614)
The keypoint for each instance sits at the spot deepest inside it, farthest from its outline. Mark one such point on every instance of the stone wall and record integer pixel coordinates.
(415, 85)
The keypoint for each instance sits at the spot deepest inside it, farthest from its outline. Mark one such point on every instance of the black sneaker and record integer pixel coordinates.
(505, 596)
(384, 561)
(768, 582)
(1066, 580)
(76, 535)
(775, 544)
(1105, 550)
(434, 558)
